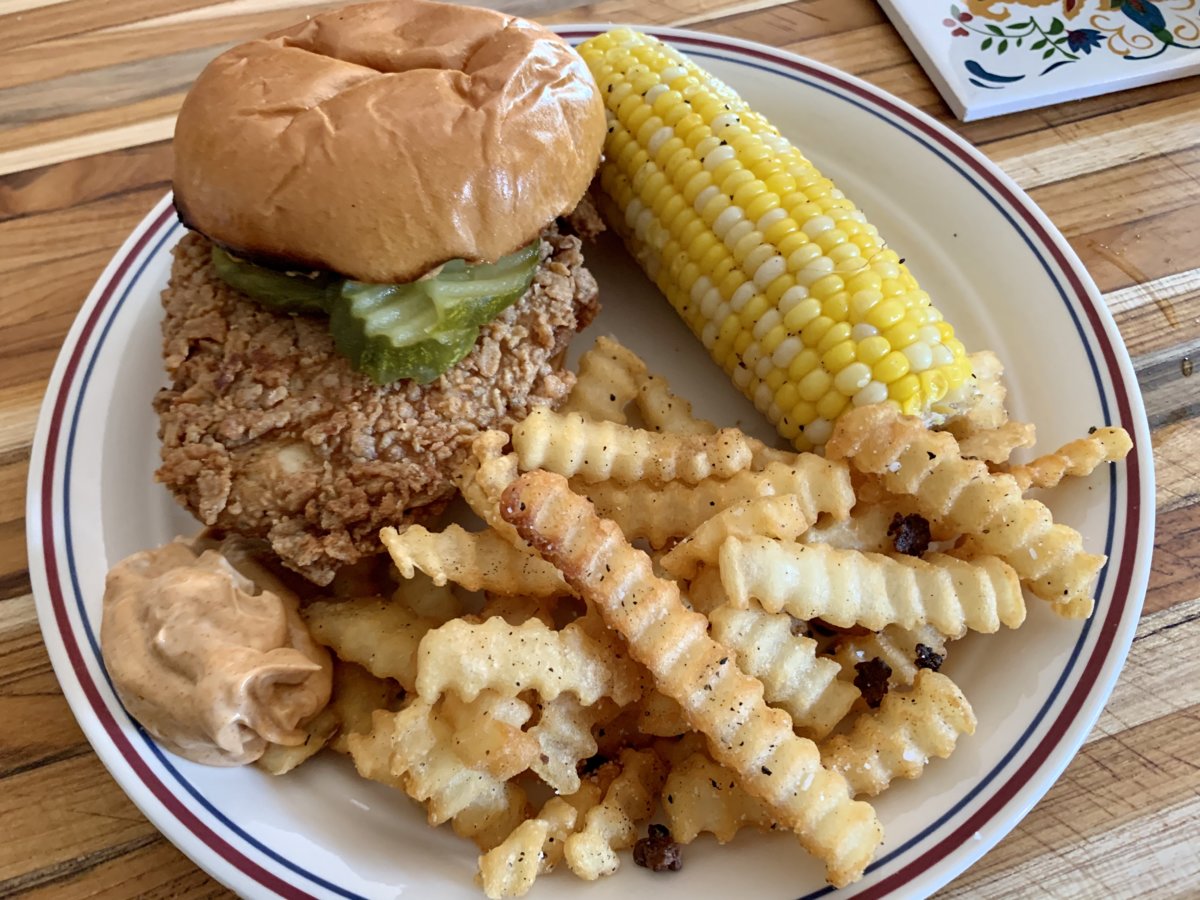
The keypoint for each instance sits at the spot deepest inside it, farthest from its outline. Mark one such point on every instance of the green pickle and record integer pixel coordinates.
(275, 290)
(392, 331)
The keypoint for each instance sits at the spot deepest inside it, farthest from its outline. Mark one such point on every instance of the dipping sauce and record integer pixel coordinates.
(208, 663)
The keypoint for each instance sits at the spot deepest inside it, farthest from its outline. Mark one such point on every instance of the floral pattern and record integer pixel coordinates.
(1130, 29)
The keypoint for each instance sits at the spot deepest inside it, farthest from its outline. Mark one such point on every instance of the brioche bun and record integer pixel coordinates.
(378, 141)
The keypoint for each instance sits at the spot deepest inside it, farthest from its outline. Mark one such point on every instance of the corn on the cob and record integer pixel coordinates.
(771, 266)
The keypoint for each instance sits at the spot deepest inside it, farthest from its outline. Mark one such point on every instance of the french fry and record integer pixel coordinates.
(794, 678)
(865, 529)
(846, 587)
(996, 445)
(468, 658)
(413, 750)
(986, 411)
(898, 739)
(381, 635)
(674, 510)
(705, 593)
(476, 560)
(608, 380)
(431, 601)
(611, 825)
(963, 494)
(519, 610)
(665, 411)
(486, 733)
(780, 516)
(535, 846)
(747, 736)
(482, 478)
(701, 796)
(1078, 459)
(661, 716)
(279, 759)
(564, 739)
(572, 444)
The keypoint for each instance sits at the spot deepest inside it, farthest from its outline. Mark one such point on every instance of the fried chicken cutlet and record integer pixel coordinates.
(267, 432)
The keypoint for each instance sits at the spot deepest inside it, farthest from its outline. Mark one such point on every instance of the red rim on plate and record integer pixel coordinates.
(139, 765)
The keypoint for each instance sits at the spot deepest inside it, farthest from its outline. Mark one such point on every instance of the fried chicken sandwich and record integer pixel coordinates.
(377, 267)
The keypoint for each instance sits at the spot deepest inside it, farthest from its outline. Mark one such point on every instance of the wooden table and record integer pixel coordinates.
(88, 90)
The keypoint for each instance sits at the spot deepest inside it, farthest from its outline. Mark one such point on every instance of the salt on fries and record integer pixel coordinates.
(775, 662)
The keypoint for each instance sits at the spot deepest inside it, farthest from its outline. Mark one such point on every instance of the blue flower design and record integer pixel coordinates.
(1083, 40)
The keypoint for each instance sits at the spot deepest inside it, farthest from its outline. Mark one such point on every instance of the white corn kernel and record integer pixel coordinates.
(722, 153)
(818, 430)
(786, 351)
(817, 225)
(875, 392)
(862, 331)
(853, 378)
(659, 138)
(771, 269)
(729, 217)
(768, 321)
(920, 357)
(741, 296)
(704, 196)
(815, 271)
(770, 217)
(797, 293)
(942, 355)
(762, 397)
(738, 232)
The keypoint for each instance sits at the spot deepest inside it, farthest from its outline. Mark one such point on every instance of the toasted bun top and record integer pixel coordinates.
(381, 140)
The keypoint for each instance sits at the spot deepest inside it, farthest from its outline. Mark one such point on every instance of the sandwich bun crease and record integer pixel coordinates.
(381, 140)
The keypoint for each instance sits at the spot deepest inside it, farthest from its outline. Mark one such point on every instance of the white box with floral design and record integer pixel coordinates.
(990, 57)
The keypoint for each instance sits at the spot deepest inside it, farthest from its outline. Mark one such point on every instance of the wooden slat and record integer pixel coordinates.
(45, 23)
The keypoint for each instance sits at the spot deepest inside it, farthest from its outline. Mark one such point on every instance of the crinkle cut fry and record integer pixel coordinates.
(608, 379)
(745, 735)
(468, 657)
(572, 444)
(848, 587)
(477, 560)
(412, 750)
(963, 494)
(701, 796)
(794, 678)
(611, 824)
(898, 739)
(1079, 458)
(536, 845)
(674, 510)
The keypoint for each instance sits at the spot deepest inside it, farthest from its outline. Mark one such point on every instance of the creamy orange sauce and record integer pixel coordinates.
(211, 665)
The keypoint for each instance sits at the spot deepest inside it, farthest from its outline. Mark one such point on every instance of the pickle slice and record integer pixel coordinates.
(421, 329)
(392, 331)
(278, 290)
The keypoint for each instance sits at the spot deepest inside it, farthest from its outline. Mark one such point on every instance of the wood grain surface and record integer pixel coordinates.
(88, 93)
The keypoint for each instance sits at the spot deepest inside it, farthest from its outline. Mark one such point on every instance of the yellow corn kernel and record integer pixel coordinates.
(891, 368)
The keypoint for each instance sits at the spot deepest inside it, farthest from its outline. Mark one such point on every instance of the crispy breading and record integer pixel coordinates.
(267, 432)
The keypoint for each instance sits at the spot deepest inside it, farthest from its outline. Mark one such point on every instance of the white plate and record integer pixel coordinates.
(996, 267)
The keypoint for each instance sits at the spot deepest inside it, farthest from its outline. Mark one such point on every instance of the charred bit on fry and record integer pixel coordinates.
(927, 659)
(872, 680)
(657, 852)
(910, 534)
